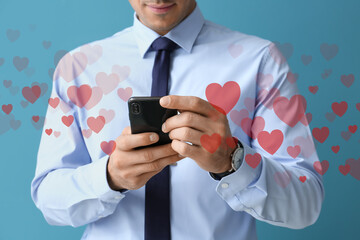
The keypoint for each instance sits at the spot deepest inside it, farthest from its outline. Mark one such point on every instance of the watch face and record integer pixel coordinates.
(238, 157)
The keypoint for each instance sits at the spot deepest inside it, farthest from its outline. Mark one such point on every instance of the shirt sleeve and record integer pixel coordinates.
(69, 187)
(277, 182)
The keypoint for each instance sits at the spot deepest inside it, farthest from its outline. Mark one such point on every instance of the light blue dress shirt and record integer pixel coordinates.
(276, 183)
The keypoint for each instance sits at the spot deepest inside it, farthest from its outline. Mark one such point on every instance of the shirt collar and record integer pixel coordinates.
(184, 34)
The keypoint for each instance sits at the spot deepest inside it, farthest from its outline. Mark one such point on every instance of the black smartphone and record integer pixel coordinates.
(147, 115)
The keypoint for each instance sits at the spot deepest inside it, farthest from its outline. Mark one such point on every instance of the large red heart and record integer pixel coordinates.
(321, 134)
(79, 95)
(321, 167)
(96, 124)
(224, 97)
(339, 108)
(270, 142)
(253, 160)
(210, 143)
(290, 111)
(108, 147)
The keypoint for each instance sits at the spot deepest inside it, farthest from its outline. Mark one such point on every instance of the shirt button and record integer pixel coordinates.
(224, 185)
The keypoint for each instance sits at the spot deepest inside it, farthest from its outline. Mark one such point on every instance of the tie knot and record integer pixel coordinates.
(163, 43)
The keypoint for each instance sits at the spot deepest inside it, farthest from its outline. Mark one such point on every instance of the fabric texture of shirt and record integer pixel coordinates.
(278, 181)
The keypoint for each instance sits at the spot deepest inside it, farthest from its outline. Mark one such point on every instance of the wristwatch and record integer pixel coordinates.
(236, 160)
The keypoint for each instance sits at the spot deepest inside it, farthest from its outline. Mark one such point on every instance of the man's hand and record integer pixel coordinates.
(131, 169)
(197, 122)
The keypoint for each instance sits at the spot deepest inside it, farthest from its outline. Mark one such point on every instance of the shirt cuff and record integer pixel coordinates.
(96, 177)
(234, 183)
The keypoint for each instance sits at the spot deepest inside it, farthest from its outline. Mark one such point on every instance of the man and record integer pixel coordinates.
(225, 84)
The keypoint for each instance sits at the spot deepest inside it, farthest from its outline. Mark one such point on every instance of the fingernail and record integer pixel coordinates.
(164, 101)
(153, 137)
(163, 127)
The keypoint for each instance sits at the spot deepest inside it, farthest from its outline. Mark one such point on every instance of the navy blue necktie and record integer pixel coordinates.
(157, 190)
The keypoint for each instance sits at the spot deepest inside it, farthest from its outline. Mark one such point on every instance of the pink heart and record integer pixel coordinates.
(235, 50)
(122, 71)
(253, 127)
(249, 104)
(65, 108)
(224, 97)
(79, 95)
(294, 151)
(306, 144)
(292, 77)
(125, 94)
(71, 66)
(93, 53)
(290, 111)
(54, 102)
(271, 142)
(107, 83)
(237, 116)
(96, 124)
(96, 97)
(107, 114)
(282, 178)
(108, 147)
(264, 80)
(267, 98)
(86, 133)
(57, 134)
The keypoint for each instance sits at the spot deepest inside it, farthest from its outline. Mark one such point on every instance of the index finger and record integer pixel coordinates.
(188, 103)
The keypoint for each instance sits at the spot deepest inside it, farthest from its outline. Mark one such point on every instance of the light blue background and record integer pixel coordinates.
(67, 24)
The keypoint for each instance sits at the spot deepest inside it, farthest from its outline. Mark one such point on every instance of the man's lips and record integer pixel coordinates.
(161, 8)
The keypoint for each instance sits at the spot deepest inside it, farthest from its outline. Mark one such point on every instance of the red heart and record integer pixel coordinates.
(321, 134)
(35, 118)
(108, 147)
(290, 111)
(79, 95)
(339, 108)
(302, 178)
(321, 167)
(31, 94)
(294, 151)
(7, 108)
(96, 124)
(313, 89)
(210, 143)
(67, 120)
(344, 169)
(335, 149)
(253, 160)
(224, 97)
(54, 102)
(270, 142)
(353, 128)
(48, 131)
